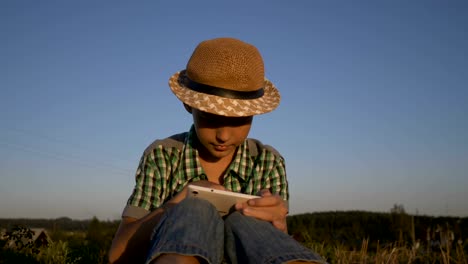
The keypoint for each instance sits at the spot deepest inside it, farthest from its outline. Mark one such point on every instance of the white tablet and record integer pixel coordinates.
(222, 200)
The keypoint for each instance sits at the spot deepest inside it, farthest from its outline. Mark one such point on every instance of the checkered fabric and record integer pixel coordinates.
(164, 171)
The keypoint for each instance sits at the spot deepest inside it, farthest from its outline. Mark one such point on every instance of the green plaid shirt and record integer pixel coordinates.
(165, 170)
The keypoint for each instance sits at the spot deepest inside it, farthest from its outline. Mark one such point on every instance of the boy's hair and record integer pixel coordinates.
(226, 77)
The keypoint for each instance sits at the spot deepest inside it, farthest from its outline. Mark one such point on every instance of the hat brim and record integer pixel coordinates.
(226, 106)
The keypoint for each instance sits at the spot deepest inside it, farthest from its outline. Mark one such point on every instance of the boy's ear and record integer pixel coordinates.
(188, 108)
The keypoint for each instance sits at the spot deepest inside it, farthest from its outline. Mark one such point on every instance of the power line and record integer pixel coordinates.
(69, 158)
(64, 142)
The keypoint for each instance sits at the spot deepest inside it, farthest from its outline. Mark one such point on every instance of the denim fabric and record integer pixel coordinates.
(194, 227)
(249, 240)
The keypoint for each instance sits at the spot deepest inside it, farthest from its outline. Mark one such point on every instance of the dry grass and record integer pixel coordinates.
(395, 253)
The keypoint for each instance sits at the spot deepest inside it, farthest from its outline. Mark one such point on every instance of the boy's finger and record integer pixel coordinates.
(264, 215)
(265, 201)
(265, 192)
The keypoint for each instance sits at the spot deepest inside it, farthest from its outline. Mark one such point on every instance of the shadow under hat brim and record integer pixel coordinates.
(226, 106)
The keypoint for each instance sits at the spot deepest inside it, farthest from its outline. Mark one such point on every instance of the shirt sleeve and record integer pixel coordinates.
(273, 170)
(277, 181)
(146, 195)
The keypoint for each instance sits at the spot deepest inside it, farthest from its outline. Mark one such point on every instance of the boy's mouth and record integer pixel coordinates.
(220, 147)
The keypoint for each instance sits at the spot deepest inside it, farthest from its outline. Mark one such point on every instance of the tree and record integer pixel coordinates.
(402, 223)
(18, 246)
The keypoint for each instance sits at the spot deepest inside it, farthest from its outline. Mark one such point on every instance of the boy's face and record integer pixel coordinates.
(219, 135)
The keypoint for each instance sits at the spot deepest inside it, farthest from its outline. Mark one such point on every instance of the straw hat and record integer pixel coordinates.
(225, 76)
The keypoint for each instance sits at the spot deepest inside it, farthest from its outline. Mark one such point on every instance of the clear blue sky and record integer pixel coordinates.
(374, 104)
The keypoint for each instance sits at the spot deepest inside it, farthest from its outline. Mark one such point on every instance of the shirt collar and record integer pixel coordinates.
(241, 165)
(192, 166)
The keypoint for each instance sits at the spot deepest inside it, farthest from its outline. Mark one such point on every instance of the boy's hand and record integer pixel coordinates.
(270, 207)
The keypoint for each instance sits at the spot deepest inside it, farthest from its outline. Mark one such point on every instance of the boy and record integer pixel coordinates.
(223, 87)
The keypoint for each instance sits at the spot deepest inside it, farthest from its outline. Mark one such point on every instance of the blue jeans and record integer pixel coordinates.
(194, 228)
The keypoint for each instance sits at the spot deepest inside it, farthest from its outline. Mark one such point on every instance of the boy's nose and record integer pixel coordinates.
(222, 134)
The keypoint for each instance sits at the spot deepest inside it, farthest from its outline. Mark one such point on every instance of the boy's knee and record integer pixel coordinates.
(195, 203)
(195, 206)
(236, 219)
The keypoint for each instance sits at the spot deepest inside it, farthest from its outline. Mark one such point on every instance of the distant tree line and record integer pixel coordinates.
(62, 223)
(351, 228)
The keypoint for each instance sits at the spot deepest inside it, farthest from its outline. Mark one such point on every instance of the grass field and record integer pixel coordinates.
(453, 252)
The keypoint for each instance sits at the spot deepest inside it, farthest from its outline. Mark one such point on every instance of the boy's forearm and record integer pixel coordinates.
(131, 241)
